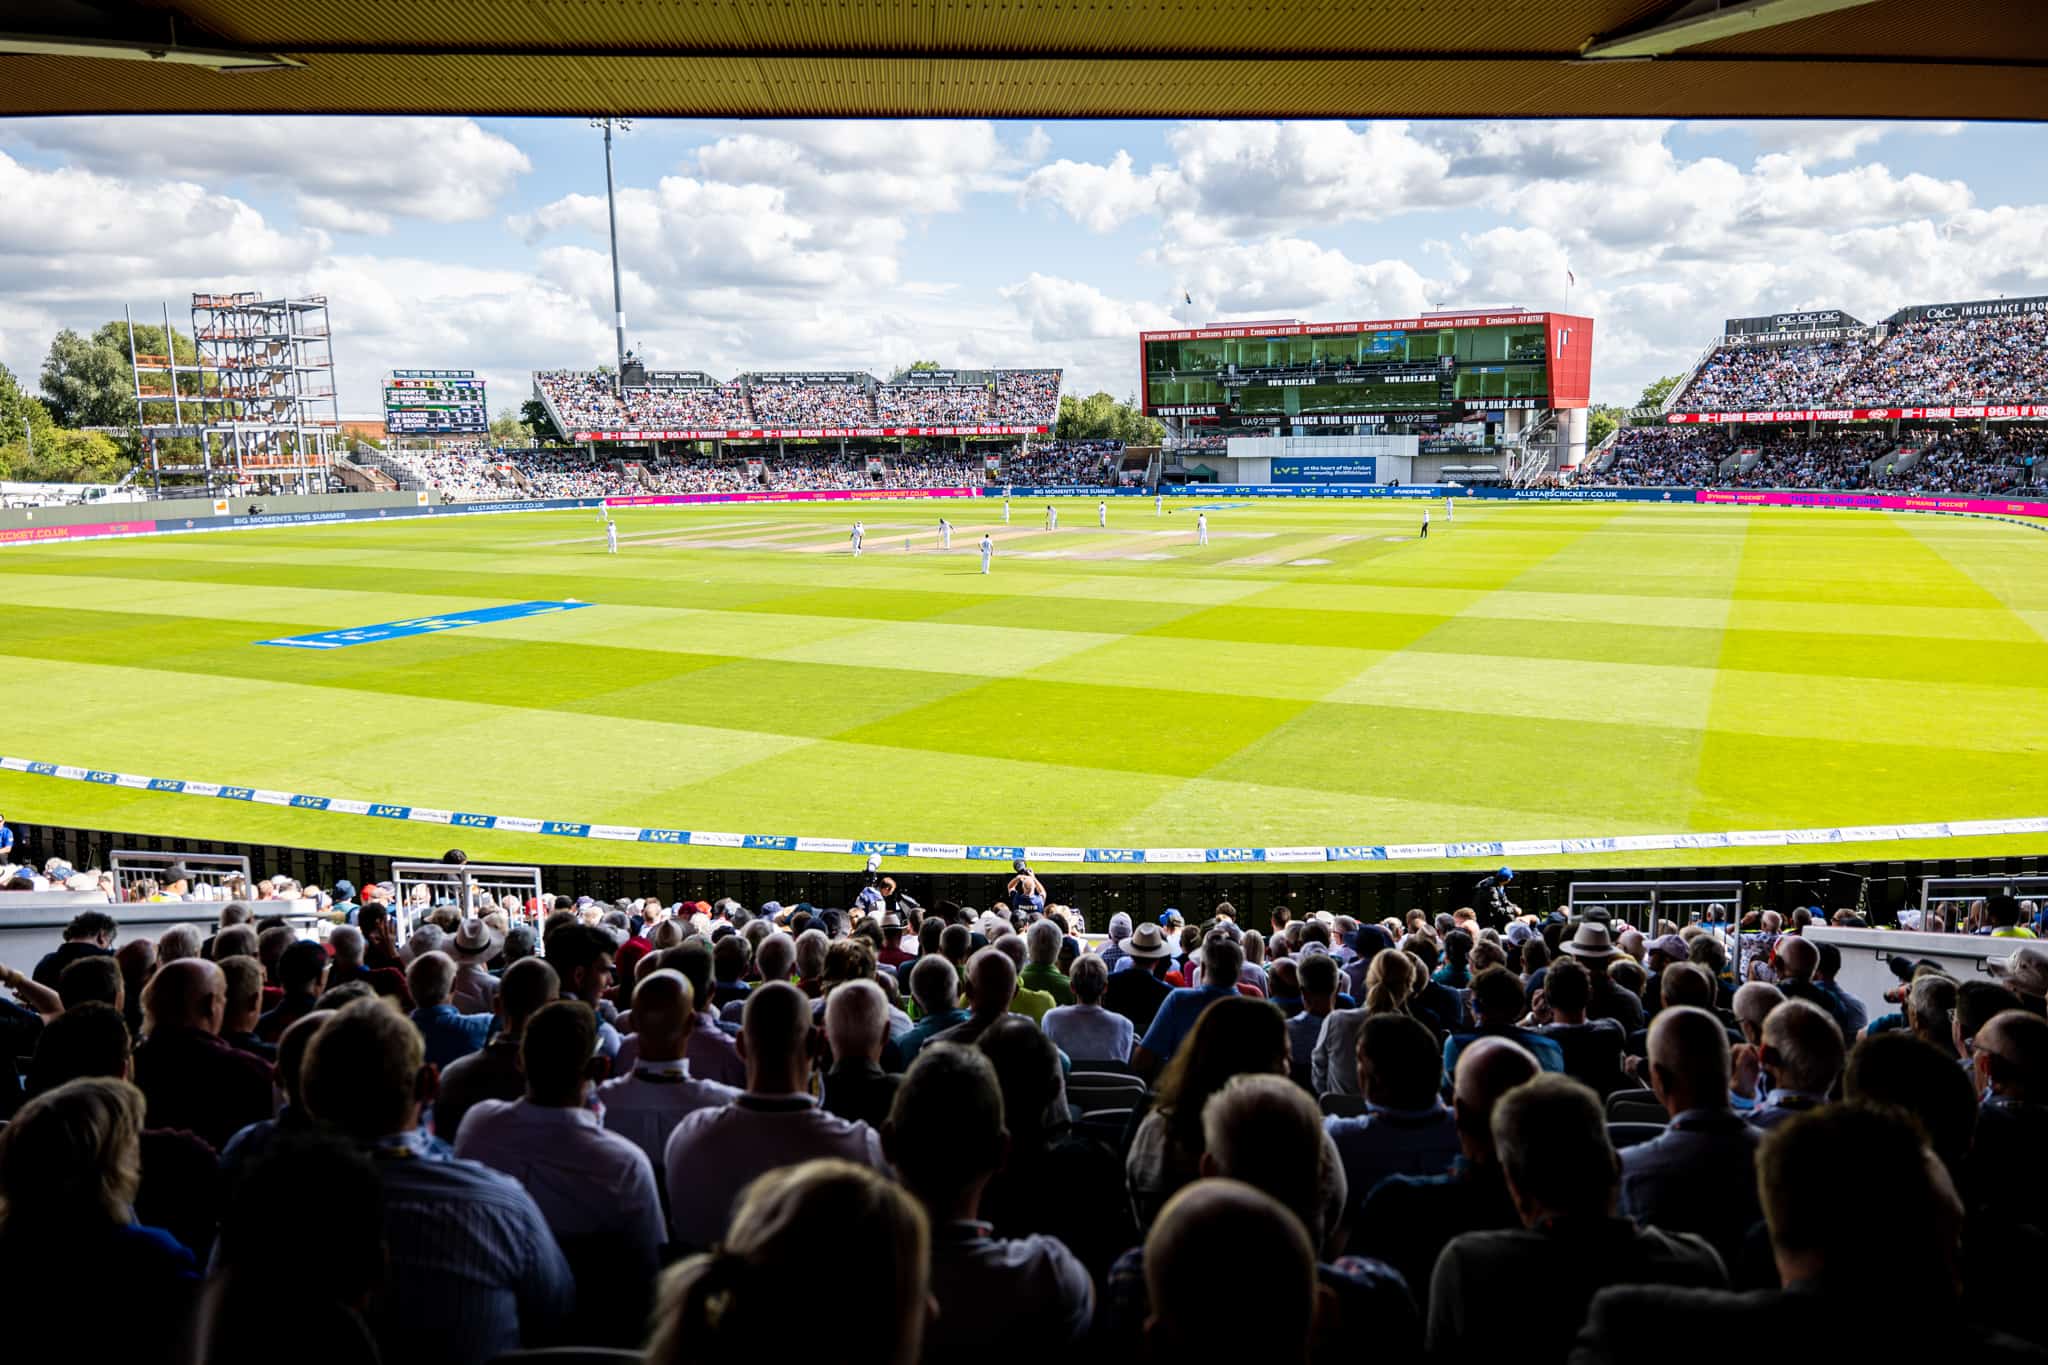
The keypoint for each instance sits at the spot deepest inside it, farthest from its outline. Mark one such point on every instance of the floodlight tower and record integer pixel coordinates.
(611, 204)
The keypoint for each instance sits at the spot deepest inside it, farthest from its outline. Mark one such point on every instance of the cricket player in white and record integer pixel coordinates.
(1052, 517)
(611, 537)
(858, 532)
(945, 534)
(1006, 511)
(604, 512)
(1450, 511)
(1102, 515)
(1425, 523)
(1158, 504)
(1201, 528)
(988, 550)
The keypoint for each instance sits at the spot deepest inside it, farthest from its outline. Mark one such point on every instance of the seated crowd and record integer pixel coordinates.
(1047, 464)
(1839, 458)
(571, 473)
(1973, 360)
(884, 1134)
(586, 401)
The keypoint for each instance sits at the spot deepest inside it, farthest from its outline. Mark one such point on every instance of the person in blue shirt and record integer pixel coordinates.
(1498, 1003)
(449, 1034)
(6, 841)
(1222, 960)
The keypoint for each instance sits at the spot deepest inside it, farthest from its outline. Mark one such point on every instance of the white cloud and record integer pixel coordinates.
(855, 244)
(1812, 142)
(346, 174)
(1059, 309)
(1101, 198)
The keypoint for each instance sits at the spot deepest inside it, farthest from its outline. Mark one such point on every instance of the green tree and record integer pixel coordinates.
(19, 410)
(1601, 421)
(533, 414)
(508, 428)
(88, 382)
(1655, 393)
(1098, 417)
(916, 367)
(62, 456)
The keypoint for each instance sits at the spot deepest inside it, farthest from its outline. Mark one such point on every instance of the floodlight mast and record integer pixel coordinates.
(611, 205)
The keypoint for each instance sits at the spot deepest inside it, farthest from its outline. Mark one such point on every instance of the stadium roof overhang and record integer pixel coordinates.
(1978, 59)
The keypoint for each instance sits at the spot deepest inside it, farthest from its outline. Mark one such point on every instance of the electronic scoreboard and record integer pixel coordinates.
(435, 403)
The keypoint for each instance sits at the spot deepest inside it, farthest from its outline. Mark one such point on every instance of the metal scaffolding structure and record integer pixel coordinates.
(258, 393)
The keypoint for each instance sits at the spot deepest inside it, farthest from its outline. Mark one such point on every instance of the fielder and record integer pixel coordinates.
(1158, 504)
(1201, 528)
(1425, 523)
(611, 537)
(1006, 511)
(945, 534)
(988, 550)
(1102, 515)
(859, 533)
(1052, 517)
(1450, 511)
(604, 512)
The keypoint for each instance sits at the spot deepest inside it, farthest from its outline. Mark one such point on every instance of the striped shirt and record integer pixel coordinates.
(474, 1272)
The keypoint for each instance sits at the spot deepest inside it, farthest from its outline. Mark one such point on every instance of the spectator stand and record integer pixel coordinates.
(476, 887)
(1640, 905)
(1950, 897)
(209, 870)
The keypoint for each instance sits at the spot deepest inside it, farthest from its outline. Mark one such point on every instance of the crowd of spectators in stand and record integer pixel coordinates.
(920, 405)
(466, 472)
(811, 405)
(588, 402)
(1026, 398)
(1829, 459)
(1969, 360)
(1969, 461)
(1056, 463)
(881, 1134)
(1682, 457)
(1844, 458)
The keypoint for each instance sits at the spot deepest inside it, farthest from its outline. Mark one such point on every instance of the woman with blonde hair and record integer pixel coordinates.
(1391, 980)
(70, 1163)
(725, 1303)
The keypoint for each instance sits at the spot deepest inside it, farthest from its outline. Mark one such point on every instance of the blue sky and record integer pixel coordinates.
(481, 243)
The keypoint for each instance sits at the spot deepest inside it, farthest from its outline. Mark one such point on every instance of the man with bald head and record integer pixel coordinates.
(190, 1076)
(1224, 1222)
(1798, 960)
(714, 1153)
(991, 987)
(1406, 1220)
(2009, 1063)
(1700, 1174)
(646, 1103)
(1801, 1057)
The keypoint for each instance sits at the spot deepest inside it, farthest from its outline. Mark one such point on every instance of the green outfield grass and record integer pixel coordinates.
(1316, 675)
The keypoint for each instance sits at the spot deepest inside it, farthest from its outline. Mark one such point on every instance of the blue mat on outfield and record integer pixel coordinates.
(420, 625)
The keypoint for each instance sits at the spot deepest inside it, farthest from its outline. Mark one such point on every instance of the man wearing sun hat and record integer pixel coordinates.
(1139, 989)
(1592, 943)
(475, 990)
(2026, 973)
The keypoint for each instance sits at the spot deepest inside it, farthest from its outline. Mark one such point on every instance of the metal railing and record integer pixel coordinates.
(1651, 898)
(472, 887)
(206, 869)
(1950, 897)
